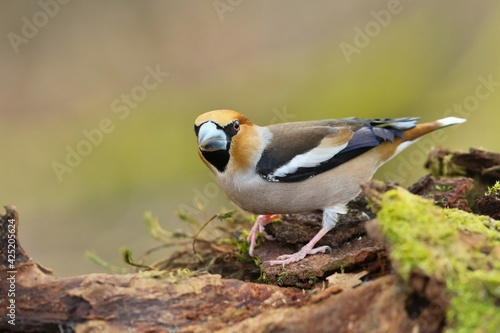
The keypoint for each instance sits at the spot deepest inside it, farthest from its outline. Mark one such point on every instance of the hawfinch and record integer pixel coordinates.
(300, 166)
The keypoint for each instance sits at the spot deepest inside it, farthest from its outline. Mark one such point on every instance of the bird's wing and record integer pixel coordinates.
(297, 151)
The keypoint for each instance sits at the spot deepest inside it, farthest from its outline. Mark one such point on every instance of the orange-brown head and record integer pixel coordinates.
(225, 135)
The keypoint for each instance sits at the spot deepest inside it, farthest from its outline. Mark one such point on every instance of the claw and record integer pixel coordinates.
(258, 226)
(289, 258)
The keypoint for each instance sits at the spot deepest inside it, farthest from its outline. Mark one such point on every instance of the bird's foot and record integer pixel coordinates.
(258, 226)
(289, 258)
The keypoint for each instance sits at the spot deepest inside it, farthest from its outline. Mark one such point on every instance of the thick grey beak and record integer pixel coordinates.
(211, 138)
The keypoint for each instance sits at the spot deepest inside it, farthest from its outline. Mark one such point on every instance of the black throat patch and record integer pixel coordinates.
(219, 159)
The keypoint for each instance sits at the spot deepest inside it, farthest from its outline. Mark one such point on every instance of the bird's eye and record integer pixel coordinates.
(236, 125)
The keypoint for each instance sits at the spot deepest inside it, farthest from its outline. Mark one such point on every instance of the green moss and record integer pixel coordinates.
(494, 190)
(279, 279)
(444, 166)
(180, 274)
(443, 188)
(241, 242)
(452, 246)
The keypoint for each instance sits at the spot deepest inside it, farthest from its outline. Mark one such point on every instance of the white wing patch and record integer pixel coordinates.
(310, 159)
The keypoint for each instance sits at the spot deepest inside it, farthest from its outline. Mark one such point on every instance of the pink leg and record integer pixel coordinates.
(330, 218)
(258, 226)
(305, 250)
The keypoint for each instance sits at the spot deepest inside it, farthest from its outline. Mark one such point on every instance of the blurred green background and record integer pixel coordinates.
(67, 67)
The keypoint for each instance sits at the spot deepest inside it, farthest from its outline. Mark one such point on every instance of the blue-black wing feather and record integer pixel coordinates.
(367, 135)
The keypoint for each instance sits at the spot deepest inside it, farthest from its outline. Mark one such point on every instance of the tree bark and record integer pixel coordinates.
(161, 302)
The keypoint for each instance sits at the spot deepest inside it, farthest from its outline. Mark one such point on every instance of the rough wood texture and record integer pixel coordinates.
(176, 300)
(156, 302)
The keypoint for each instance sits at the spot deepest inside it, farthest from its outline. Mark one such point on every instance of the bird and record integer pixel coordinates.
(297, 167)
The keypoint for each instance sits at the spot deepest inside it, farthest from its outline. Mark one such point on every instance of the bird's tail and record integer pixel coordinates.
(422, 129)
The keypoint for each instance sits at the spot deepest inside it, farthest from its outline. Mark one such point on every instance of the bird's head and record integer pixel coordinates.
(221, 137)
